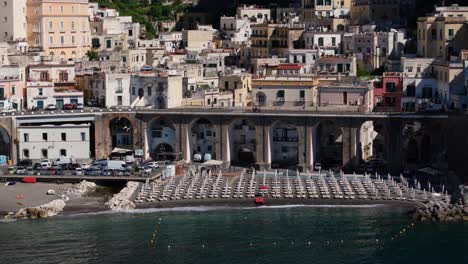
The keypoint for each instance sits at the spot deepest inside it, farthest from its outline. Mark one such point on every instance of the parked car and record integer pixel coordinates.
(46, 163)
(67, 107)
(84, 165)
(20, 170)
(37, 166)
(78, 106)
(148, 170)
(93, 171)
(50, 107)
(78, 172)
(122, 172)
(151, 164)
(29, 171)
(107, 172)
(43, 172)
(11, 170)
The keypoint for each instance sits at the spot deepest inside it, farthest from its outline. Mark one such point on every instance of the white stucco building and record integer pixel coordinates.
(12, 20)
(236, 31)
(152, 90)
(53, 142)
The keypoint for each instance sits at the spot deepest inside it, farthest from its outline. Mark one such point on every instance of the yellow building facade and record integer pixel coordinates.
(60, 28)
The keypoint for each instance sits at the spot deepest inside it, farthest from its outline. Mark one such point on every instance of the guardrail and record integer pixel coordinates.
(210, 110)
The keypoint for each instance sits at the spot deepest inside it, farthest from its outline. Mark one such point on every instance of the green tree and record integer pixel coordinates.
(92, 55)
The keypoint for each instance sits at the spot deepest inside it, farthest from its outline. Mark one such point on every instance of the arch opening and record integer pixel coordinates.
(121, 130)
(243, 142)
(203, 140)
(161, 140)
(330, 141)
(284, 145)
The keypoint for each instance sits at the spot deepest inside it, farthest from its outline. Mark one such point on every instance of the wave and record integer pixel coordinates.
(224, 208)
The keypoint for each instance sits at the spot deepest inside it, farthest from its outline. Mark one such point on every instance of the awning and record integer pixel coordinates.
(121, 151)
(213, 163)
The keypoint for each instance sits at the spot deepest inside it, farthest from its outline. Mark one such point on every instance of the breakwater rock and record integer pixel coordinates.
(439, 211)
(81, 188)
(122, 200)
(43, 211)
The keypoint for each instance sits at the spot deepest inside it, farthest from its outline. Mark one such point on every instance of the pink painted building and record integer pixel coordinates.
(12, 88)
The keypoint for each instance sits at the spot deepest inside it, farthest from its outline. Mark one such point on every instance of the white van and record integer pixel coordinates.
(110, 164)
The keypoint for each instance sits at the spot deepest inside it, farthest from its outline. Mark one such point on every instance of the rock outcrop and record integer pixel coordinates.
(122, 200)
(81, 188)
(43, 211)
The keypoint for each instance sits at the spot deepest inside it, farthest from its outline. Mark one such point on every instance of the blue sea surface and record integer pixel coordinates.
(282, 234)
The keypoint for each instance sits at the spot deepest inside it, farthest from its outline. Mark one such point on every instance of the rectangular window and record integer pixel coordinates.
(390, 87)
(44, 153)
(149, 90)
(434, 34)
(450, 34)
(108, 43)
(26, 153)
(333, 41)
(64, 136)
(26, 137)
(243, 139)
(119, 100)
(44, 136)
(133, 90)
(119, 85)
(411, 90)
(62, 40)
(63, 152)
(13, 90)
(302, 94)
(83, 136)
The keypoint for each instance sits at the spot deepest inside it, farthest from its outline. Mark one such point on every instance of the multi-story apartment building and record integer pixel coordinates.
(156, 91)
(388, 92)
(53, 142)
(110, 89)
(283, 91)
(52, 83)
(12, 84)
(12, 20)
(274, 39)
(60, 28)
(240, 84)
(419, 84)
(197, 40)
(374, 48)
(451, 84)
(236, 31)
(444, 33)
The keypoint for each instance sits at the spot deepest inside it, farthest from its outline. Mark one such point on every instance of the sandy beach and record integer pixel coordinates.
(36, 194)
(21, 195)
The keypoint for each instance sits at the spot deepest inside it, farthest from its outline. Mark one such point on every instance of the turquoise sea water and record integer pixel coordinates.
(239, 235)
